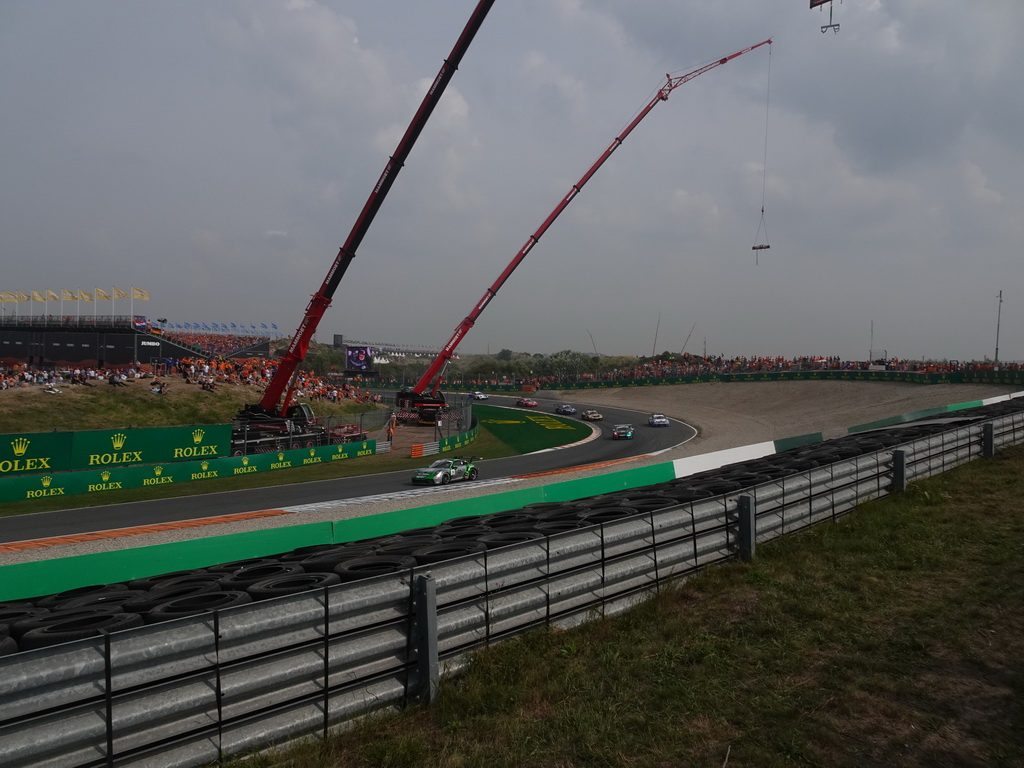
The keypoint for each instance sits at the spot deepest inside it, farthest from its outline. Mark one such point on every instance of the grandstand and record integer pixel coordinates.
(113, 340)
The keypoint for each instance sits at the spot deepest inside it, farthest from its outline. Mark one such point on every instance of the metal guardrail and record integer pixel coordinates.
(192, 691)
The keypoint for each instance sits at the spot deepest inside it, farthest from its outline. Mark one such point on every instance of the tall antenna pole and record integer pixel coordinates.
(999, 317)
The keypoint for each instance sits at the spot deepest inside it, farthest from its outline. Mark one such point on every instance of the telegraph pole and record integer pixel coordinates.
(999, 317)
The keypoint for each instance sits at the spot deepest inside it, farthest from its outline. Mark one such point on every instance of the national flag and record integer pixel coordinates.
(138, 293)
(37, 296)
(101, 294)
(233, 326)
(263, 326)
(52, 296)
(69, 295)
(274, 326)
(119, 294)
(188, 326)
(206, 327)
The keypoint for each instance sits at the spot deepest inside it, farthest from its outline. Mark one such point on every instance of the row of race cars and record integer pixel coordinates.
(445, 471)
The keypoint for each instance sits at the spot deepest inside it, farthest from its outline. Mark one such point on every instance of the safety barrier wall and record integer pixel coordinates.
(45, 452)
(188, 692)
(26, 580)
(110, 478)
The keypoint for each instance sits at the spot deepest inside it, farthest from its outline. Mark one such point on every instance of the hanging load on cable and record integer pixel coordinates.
(424, 399)
(276, 404)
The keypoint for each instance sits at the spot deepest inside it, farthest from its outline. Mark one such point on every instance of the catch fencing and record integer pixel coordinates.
(192, 691)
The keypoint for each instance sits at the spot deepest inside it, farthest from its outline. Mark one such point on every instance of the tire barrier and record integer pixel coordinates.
(166, 596)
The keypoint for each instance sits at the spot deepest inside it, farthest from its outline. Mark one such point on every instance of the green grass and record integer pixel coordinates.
(891, 638)
(526, 431)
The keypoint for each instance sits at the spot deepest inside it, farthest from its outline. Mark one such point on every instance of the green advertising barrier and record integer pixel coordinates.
(35, 453)
(122, 477)
(455, 442)
(152, 445)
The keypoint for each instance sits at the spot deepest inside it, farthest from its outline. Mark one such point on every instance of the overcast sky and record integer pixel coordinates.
(217, 152)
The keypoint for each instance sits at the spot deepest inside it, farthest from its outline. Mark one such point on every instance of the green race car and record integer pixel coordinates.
(444, 471)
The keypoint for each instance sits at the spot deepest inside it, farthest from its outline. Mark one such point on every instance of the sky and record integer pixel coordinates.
(217, 153)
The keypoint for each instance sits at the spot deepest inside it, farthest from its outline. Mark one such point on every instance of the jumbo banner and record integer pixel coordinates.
(116, 478)
(35, 453)
(154, 445)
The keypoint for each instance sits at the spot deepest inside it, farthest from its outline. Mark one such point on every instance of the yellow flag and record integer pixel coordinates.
(52, 295)
(84, 296)
(22, 296)
(119, 294)
(138, 293)
(37, 296)
(101, 294)
(7, 296)
(67, 295)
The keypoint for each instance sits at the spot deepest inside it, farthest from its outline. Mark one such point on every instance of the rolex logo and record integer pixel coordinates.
(197, 436)
(280, 457)
(104, 475)
(158, 471)
(20, 445)
(245, 461)
(312, 451)
(46, 481)
(118, 440)
(205, 465)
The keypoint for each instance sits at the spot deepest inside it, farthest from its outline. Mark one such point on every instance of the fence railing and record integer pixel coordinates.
(192, 691)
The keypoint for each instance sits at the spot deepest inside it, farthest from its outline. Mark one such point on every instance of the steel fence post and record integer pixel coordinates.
(899, 471)
(748, 528)
(988, 440)
(426, 638)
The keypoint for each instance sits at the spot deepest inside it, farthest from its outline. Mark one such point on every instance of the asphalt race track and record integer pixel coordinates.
(648, 440)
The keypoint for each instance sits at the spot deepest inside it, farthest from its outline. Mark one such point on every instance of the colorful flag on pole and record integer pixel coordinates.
(7, 296)
(22, 296)
(138, 293)
(101, 294)
(37, 296)
(84, 296)
(119, 294)
(52, 295)
(69, 295)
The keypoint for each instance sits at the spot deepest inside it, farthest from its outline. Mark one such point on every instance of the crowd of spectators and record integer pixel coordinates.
(214, 344)
(210, 373)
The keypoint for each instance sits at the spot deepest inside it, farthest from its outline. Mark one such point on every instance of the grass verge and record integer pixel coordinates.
(891, 638)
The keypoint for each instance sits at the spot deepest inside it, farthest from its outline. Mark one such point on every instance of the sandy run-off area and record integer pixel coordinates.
(728, 415)
(725, 415)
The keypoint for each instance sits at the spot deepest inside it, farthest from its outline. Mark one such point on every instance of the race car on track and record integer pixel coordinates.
(444, 471)
(526, 402)
(479, 396)
(622, 432)
(658, 420)
(565, 409)
(591, 415)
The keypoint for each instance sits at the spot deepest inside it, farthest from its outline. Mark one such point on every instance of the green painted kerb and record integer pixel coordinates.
(47, 577)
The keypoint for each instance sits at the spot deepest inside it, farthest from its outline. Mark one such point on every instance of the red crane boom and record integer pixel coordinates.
(271, 404)
(425, 393)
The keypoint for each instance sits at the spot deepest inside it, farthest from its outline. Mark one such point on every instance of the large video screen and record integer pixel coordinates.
(358, 358)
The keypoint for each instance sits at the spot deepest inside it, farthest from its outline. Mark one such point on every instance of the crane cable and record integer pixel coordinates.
(764, 169)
